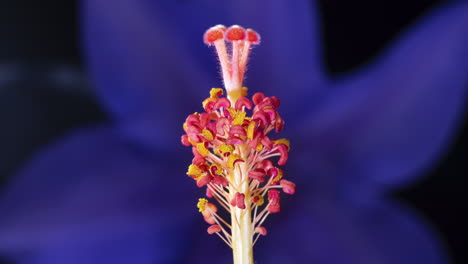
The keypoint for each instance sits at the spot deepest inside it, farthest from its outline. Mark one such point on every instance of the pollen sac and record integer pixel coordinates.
(261, 230)
(213, 229)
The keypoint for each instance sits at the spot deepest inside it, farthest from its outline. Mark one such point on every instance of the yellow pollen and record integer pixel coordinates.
(202, 149)
(191, 142)
(194, 170)
(207, 100)
(232, 159)
(216, 93)
(219, 169)
(244, 91)
(199, 177)
(237, 116)
(201, 204)
(260, 200)
(259, 147)
(279, 176)
(232, 112)
(226, 148)
(282, 141)
(251, 129)
(207, 134)
(239, 120)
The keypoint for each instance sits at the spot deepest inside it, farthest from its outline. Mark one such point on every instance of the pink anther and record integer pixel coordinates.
(213, 229)
(261, 230)
(288, 187)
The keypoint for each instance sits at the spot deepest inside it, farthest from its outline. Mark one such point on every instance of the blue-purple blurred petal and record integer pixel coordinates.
(325, 231)
(92, 193)
(381, 126)
(151, 67)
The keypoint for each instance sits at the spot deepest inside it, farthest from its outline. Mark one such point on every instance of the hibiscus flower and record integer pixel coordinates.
(116, 192)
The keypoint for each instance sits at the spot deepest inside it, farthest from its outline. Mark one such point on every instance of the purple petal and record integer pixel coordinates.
(328, 232)
(94, 196)
(381, 126)
(151, 67)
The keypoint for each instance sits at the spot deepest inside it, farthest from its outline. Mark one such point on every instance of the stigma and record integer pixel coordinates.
(239, 42)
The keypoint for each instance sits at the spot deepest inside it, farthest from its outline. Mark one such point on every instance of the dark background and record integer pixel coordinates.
(44, 92)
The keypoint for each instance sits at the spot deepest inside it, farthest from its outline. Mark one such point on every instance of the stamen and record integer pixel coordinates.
(232, 148)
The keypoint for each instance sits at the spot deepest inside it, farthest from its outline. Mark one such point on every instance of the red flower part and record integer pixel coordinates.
(234, 140)
(283, 150)
(198, 160)
(240, 200)
(208, 212)
(211, 126)
(261, 230)
(253, 37)
(266, 165)
(276, 174)
(262, 117)
(273, 195)
(204, 119)
(192, 119)
(221, 123)
(220, 180)
(208, 106)
(237, 130)
(275, 101)
(257, 135)
(235, 33)
(222, 102)
(213, 34)
(185, 141)
(258, 98)
(288, 187)
(194, 128)
(213, 229)
(204, 180)
(266, 103)
(274, 208)
(271, 113)
(196, 153)
(209, 219)
(267, 142)
(279, 124)
(208, 193)
(274, 198)
(257, 174)
(243, 102)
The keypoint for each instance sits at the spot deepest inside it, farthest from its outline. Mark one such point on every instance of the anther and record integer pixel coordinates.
(213, 229)
(261, 230)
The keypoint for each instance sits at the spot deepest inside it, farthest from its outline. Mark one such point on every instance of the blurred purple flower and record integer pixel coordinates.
(116, 192)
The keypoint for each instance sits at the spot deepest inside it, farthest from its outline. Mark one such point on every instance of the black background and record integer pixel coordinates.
(37, 36)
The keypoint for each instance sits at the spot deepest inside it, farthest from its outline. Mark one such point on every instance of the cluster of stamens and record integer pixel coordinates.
(234, 158)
